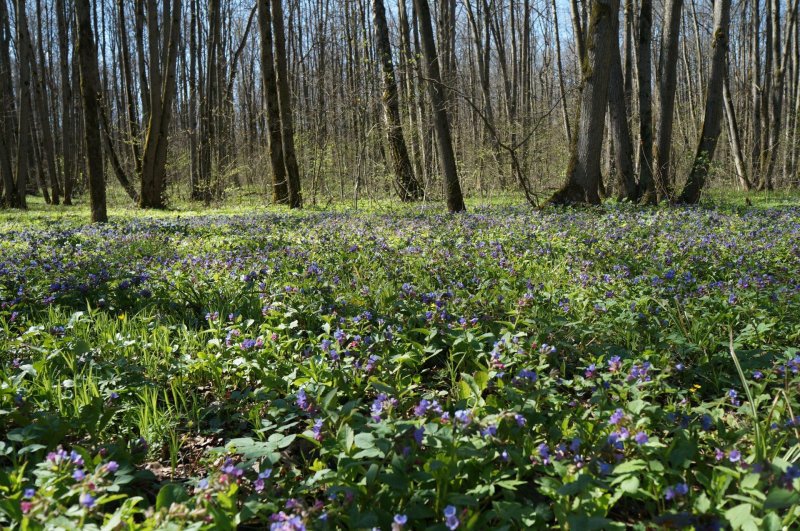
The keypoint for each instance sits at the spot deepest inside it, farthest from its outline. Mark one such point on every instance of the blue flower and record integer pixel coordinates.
(87, 500)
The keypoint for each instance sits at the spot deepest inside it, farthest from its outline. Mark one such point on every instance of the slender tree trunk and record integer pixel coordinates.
(561, 89)
(441, 122)
(127, 77)
(407, 186)
(667, 84)
(733, 136)
(67, 106)
(583, 170)
(712, 122)
(285, 106)
(38, 69)
(91, 96)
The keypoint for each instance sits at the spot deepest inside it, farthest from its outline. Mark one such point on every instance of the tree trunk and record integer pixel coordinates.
(667, 83)
(24, 137)
(712, 121)
(67, 105)
(91, 97)
(7, 106)
(161, 96)
(733, 136)
(441, 122)
(583, 170)
(407, 186)
(562, 91)
(285, 106)
(38, 68)
(619, 130)
(647, 191)
(280, 188)
(127, 77)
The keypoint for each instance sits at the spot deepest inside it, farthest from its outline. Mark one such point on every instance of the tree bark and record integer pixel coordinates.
(67, 105)
(647, 191)
(619, 130)
(441, 121)
(161, 96)
(7, 110)
(733, 136)
(280, 188)
(285, 106)
(24, 137)
(91, 96)
(667, 84)
(583, 170)
(712, 122)
(407, 186)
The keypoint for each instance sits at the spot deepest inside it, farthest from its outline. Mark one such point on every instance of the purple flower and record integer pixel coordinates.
(463, 417)
(78, 475)
(590, 371)
(544, 453)
(317, 430)
(419, 434)
(29, 493)
(616, 417)
(112, 466)
(451, 520)
(302, 399)
(734, 456)
(614, 364)
(400, 519)
(641, 438)
(757, 375)
(719, 455)
(87, 500)
(575, 445)
(676, 491)
(521, 421)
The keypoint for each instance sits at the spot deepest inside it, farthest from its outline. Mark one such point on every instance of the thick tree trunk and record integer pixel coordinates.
(91, 96)
(667, 83)
(647, 190)
(24, 137)
(712, 122)
(583, 171)
(7, 106)
(161, 96)
(407, 186)
(285, 106)
(441, 122)
(280, 188)
(619, 130)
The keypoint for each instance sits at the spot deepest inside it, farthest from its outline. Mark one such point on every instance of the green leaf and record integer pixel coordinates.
(781, 499)
(364, 441)
(169, 494)
(740, 516)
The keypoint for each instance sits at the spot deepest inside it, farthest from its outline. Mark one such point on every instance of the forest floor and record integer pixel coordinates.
(400, 368)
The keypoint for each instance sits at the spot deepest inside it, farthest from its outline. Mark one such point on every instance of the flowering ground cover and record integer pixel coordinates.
(503, 369)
